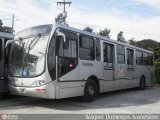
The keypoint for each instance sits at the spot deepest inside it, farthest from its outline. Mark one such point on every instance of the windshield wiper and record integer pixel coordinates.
(34, 42)
(26, 55)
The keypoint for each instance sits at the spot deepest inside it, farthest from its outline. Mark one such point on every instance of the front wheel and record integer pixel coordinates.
(90, 91)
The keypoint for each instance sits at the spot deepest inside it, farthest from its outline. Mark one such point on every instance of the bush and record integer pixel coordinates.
(157, 71)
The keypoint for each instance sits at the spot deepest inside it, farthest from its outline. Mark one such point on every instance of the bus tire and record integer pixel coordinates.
(90, 91)
(142, 83)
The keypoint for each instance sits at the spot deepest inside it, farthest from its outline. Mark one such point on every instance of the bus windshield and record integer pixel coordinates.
(27, 56)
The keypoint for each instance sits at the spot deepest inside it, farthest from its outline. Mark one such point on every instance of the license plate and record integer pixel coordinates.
(22, 90)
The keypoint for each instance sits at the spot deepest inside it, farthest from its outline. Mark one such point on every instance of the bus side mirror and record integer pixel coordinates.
(61, 34)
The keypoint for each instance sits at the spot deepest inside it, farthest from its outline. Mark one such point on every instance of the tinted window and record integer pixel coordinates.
(98, 50)
(7, 52)
(150, 59)
(67, 52)
(108, 53)
(86, 48)
(51, 58)
(130, 58)
(139, 57)
(145, 58)
(70, 51)
(120, 54)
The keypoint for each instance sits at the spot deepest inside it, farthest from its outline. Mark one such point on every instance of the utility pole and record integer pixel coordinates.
(13, 23)
(64, 3)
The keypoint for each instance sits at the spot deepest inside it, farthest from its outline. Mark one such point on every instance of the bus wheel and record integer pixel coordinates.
(90, 91)
(142, 83)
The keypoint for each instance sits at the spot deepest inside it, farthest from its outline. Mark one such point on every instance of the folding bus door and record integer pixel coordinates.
(108, 74)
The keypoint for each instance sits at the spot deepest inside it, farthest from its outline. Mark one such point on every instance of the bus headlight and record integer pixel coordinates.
(38, 83)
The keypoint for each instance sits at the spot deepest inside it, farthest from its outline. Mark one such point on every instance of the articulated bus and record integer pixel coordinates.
(4, 52)
(59, 61)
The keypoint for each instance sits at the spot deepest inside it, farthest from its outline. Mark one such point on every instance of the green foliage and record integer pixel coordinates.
(1, 23)
(105, 32)
(120, 37)
(148, 44)
(132, 41)
(5, 28)
(88, 29)
(157, 71)
(59, 18)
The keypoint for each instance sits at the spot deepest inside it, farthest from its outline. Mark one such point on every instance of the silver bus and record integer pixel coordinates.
(4, 52)
(59, 61)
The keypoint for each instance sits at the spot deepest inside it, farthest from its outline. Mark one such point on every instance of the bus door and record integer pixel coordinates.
(108, 74)
(130, 66)
(120, 79)
(1, 65)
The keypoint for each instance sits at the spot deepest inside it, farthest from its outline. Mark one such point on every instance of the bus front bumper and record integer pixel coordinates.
(38, 92)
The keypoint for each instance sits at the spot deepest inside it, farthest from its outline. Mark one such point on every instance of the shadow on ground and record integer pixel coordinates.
(114, 99)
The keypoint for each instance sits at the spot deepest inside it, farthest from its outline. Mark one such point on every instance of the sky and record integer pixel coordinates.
(138, 19)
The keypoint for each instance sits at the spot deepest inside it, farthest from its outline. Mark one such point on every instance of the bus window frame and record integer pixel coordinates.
(124, 55)
(92, 49)
(113, 54)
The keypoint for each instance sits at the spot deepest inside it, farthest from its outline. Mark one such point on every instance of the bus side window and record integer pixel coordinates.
(108, 53)
(98, 50)
(145, 58)
(120, 54)
(86, 48)
(130, 58)
(139, 57)
(151, 59)
(67, 49)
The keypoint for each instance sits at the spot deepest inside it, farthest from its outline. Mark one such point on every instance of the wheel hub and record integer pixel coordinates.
(91, 90)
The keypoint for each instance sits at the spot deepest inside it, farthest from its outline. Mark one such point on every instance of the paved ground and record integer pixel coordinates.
(125, 101)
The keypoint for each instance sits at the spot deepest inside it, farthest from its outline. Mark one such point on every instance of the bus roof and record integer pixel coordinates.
(32, 31)
(100, 37)
(47, 28)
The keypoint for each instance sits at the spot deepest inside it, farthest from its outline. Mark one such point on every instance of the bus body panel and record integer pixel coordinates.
(46, 91)
(69, 89)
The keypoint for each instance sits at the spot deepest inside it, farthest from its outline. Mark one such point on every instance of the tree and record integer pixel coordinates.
(60, 18)
(148, 44)
(1, 23)
(120, 37)
(132, 41)
(88, 29)
(105, 32)
(5, 29)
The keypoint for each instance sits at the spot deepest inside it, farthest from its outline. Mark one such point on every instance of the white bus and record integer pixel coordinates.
(55, 62)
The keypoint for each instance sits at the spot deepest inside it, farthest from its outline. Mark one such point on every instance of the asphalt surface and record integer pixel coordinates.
(122, 102)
